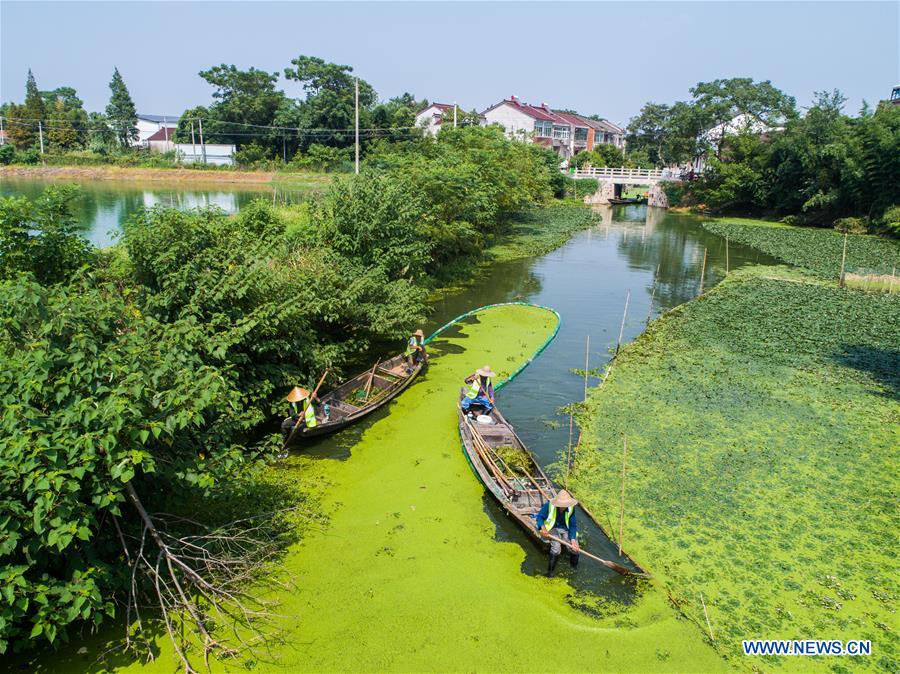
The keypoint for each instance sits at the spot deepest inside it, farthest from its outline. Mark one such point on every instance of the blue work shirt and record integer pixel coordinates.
(541, 518)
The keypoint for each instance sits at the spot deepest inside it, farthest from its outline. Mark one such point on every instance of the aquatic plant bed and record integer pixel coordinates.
(762, 427)
(818, 250)
(541, 230)
(413, 574)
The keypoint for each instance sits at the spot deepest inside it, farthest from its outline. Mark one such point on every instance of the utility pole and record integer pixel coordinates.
(193, 143)
(356, 87)
(454, 114)
(41, 134)
(1, 130)
(166, 133)
(202, 146)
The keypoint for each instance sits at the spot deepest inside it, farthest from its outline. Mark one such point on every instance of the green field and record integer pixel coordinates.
(818, 250)
(763, 423)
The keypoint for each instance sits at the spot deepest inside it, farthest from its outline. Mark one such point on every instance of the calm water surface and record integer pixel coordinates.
(104, 205)
(653, 255)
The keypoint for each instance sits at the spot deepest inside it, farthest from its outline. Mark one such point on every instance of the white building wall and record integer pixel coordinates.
(516, 122)
(426, 120)
(217, 154)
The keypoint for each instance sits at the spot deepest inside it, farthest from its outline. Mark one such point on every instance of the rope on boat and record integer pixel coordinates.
(528, 362)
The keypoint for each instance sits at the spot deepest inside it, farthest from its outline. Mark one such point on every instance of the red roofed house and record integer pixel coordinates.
(430, 118)
(161, 140)
(564, 132)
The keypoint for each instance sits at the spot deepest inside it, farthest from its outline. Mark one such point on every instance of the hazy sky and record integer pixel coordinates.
(607, 58)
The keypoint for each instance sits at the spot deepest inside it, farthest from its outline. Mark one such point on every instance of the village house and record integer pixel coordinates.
(148, 125)
(564, 132)
(430, 118)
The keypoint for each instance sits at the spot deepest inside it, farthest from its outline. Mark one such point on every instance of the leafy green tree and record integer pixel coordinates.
(22, 120)
(101, 137)
(246, 101)
(34, 103)
(329, 104)
(719, 102)
(61, 131)
(121, 112)
(647, 131)
(73, 107)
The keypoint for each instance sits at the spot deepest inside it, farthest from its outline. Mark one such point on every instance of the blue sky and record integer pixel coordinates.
(607, 58)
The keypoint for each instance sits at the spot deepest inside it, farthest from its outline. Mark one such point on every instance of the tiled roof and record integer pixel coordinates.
(165, 133)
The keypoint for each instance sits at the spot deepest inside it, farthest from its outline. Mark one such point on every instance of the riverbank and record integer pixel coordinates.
(762, 426)
(172, 175)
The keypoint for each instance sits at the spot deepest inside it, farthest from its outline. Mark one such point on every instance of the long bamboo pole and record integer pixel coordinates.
(706, 615)
(703, 271)
(841, 281)
(297, 425)
(622, 495)
(624, 314)
(587, 358)
(371, 379)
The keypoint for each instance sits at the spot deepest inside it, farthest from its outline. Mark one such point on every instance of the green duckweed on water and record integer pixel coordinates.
(762, 425)
(409, 575)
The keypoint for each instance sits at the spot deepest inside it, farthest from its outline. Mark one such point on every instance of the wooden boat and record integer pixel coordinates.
(622, 202)
(509, 471)
(520, 488)
(356, 398)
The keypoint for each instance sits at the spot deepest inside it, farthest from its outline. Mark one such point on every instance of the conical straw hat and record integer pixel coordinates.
(563, 499)
(297, 394)
(485, 371)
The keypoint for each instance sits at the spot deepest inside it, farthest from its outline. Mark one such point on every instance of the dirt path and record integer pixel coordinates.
(81, 173)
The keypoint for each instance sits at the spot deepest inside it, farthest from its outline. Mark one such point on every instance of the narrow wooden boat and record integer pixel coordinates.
(506, 468)
(623, 202)
(356, 398)
(509, 471)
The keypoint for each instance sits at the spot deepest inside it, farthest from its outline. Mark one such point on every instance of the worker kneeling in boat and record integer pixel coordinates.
(301, 407)
(479, 390)
(557, 518)
(415, 351)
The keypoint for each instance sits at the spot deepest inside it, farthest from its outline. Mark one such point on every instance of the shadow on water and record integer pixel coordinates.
(883, 365)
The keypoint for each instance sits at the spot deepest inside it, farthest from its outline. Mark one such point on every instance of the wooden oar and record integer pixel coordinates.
(371, 379)
(481, 447)
(311, 396)
(618, 568)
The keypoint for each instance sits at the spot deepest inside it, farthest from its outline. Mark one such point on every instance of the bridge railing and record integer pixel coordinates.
(622, 173)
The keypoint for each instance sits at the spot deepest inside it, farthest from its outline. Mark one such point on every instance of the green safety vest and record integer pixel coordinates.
(551, 517)
(475, 387)
(309, 414)
(413, 343)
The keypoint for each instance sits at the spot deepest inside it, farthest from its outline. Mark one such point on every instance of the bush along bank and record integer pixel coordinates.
(143, 371)
(761, 422)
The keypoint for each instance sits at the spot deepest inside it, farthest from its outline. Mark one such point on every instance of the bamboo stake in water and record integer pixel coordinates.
(703, 272)
(841, 282)
(624, 314)
(708, 624)
(891, 287)
(726, 256)
(587, 357)
(652, 295)
(569, 452)
(622, 495)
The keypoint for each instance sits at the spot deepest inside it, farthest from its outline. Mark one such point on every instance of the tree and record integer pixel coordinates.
(34, 103)
(721, 101)
(61, 131)
(246, 102)
(329, 103)
(647, 131)
(101, 137)
(22, 120)
(121, 112)
(73, 106)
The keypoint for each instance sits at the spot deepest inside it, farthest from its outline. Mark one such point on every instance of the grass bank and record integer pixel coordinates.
(539, 231)
(762, 426)
(818, 250)
(181, 175)
(412, 573)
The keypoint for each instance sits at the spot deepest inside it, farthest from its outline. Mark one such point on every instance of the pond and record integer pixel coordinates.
(104, 205)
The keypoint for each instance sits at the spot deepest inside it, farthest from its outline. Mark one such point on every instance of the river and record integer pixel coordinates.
(651, 256)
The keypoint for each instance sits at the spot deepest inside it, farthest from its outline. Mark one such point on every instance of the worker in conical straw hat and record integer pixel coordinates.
(301, 406)
(415, 351)
(479, 390)
(557, 518)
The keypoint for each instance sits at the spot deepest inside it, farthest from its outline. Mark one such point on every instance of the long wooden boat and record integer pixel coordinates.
(356, 398)
(509, 471)
(490, 450)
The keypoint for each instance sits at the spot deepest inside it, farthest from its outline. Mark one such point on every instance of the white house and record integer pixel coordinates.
(216, 154)
(431, 117)
(147, 125)
(564, 132)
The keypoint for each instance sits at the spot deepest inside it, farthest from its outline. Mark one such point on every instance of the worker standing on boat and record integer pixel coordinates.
(557, 518)
(479, 390)
(415, 351)
(301, 407)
